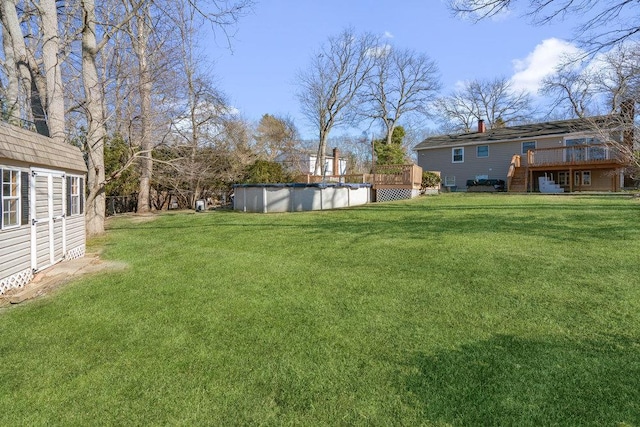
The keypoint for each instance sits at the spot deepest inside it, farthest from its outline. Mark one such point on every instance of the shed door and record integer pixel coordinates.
(47, 218)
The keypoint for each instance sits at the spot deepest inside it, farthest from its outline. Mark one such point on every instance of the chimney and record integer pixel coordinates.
(481, 126)
(336, 161)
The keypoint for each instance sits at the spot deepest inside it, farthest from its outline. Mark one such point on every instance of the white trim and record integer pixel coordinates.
(453, 155)
(32, 216)
(482, 145)
(18, 198)
(50, 219)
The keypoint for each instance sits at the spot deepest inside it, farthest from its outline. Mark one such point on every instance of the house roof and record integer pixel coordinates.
(26, 146)
(511, 133)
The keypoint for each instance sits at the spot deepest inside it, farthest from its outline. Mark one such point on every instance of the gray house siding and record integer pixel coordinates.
(494, 166)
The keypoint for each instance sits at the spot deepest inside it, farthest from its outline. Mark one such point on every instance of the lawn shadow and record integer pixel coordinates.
(508, 380)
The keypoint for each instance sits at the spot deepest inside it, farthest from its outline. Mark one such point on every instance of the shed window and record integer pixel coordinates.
(482, 151)
(457, 155)
(74, 195)
(10, 198)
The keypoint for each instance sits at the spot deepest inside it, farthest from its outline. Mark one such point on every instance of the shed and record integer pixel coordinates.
(41, 204)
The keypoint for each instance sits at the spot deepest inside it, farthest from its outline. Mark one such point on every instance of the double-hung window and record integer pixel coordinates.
(457, 155)
(10, 198)
(482, 151)
(74, 195)
(529, 145)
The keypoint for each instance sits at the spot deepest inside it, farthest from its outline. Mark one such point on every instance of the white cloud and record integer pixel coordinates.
(379, 51)
(542, 62)
(388, 35)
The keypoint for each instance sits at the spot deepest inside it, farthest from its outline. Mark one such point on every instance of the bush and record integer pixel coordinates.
(429, 179)
(265, 172)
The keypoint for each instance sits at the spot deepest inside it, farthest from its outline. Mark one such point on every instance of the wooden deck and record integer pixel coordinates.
(574, 158)
(397, 176)
(591, 156)
(383, 177)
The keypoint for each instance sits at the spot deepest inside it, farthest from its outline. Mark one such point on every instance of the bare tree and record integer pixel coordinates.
(275, 136)
(332, 80)
(571, 90)
(402, 83)
(605, 23)
(618, 79)
(27, 91)
(95, 110)
(51, 48)
(139, 31)
(600, 86)
(491, 100)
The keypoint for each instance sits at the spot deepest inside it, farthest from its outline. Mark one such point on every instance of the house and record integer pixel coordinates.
(41, 204)
(304, 162)
(558, 156)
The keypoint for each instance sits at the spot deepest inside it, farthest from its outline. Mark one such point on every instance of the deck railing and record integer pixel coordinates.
(574, 155)
(515, 163)
(350, 178)
(398, 175)
(384, 175)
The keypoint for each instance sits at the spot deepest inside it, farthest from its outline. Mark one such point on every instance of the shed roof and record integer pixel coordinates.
(511, 133)
(26, 146)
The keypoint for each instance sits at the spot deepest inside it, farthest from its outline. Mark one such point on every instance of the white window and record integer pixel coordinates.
(10, 198)
(74, 195)
(529, 145)
(449, 181)
(457, 155)
(582, 178)
(482, 151)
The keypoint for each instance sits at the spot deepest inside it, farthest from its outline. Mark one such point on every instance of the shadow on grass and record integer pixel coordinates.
(512, 381)
(421, 219)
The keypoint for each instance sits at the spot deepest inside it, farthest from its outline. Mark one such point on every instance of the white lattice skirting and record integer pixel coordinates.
(75, 253)
(17, 280)
(389, 194)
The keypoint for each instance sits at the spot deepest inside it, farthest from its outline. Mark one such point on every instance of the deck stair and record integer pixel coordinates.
(518, 181)
(547, 185)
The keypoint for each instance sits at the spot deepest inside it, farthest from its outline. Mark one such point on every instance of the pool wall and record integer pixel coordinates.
(267, 198)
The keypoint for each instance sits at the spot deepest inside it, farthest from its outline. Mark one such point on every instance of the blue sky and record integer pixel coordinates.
(278, 38)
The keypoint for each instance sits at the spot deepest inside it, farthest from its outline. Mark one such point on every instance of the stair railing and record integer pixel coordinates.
(515, 163)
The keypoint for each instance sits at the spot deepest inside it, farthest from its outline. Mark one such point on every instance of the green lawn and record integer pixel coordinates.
(462, 309)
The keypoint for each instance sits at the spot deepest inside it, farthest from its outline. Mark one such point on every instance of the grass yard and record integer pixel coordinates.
(461, 309)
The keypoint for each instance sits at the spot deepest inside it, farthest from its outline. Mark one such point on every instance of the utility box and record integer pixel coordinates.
(201, 206)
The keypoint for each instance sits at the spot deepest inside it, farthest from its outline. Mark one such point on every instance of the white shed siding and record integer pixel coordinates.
(75, 232)
(42, 162)
(15, 251)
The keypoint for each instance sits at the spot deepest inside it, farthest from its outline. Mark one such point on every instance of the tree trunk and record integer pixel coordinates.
(50, 50)
(96, 131)
(25, 67)
(322, 155)
(146, 142)
(11, 105)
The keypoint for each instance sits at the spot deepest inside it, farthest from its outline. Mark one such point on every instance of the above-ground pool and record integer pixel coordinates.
(298, 197)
